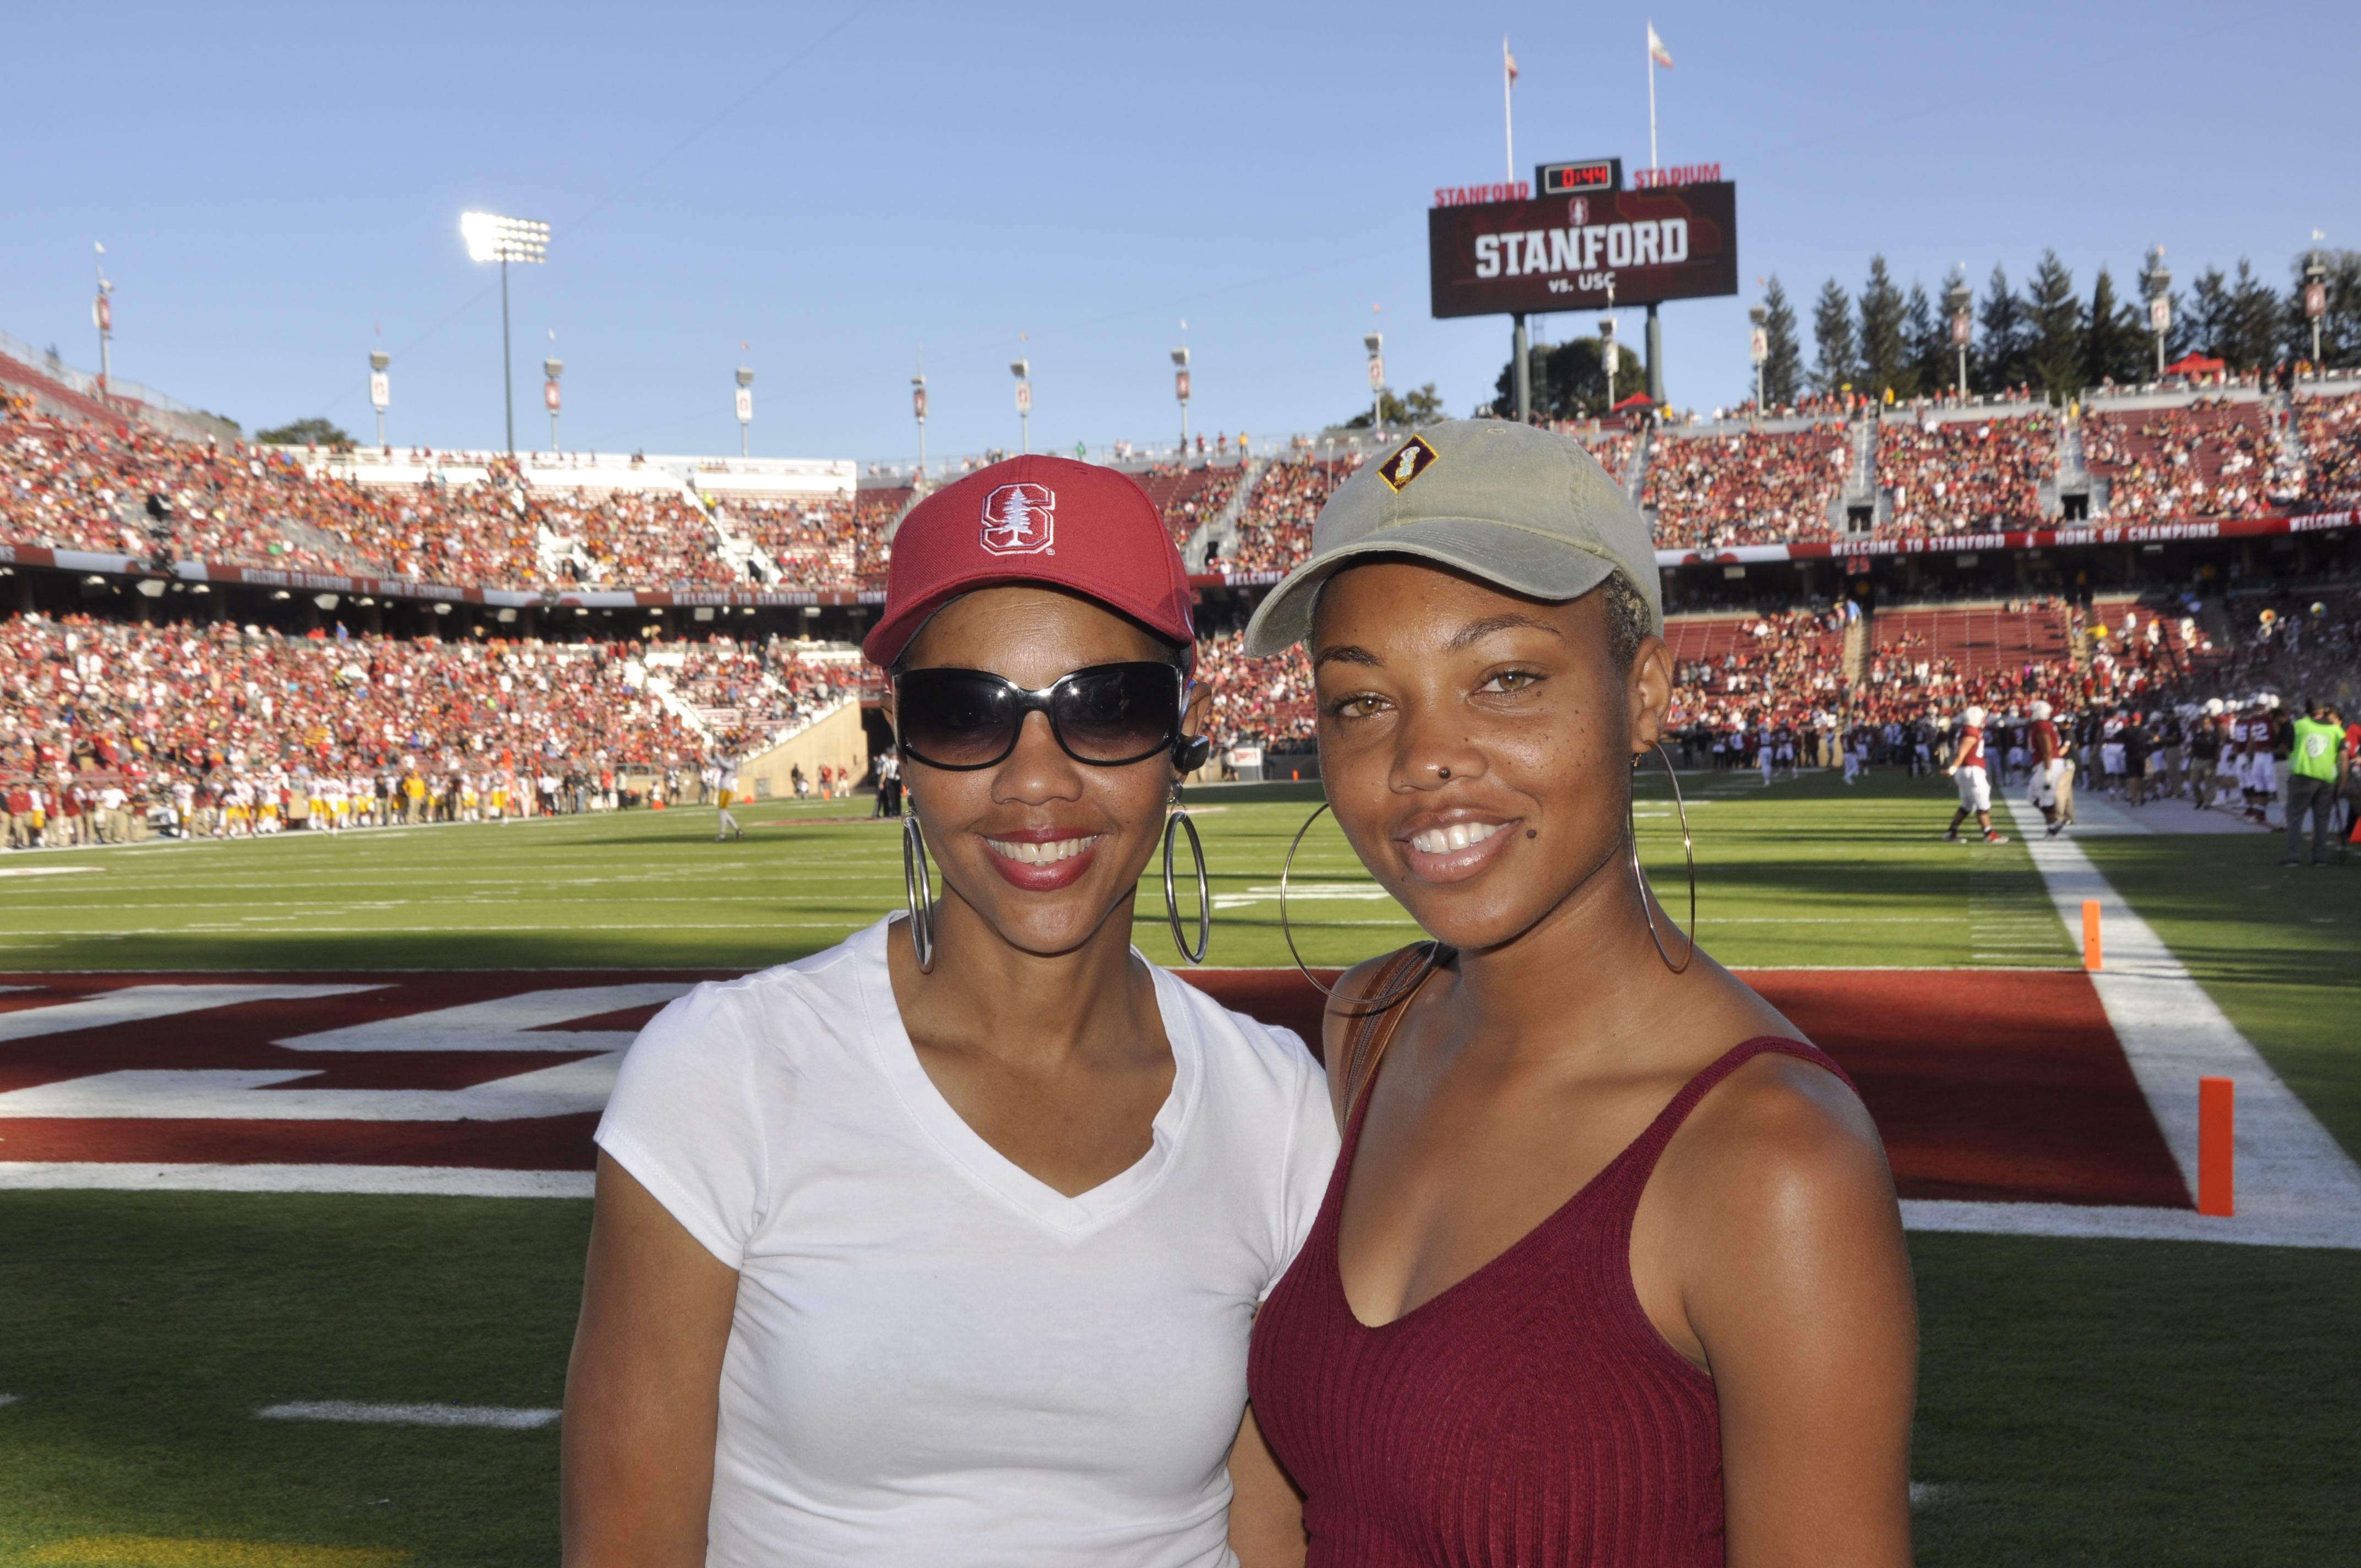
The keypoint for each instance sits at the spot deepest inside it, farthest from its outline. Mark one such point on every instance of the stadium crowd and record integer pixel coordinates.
(1257, 702)
(2330, 429)
(147, 710)
(1187, 496)
(1275, 530)
(2209, 458)
(136, 492)
(1963, 477)
(1754, 487)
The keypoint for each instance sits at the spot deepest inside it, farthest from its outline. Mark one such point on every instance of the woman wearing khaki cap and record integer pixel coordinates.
(1611, 1270)
(942, 1246)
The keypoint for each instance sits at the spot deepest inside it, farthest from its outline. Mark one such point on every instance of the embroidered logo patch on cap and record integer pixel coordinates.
(1020, 519)
(1415, 458)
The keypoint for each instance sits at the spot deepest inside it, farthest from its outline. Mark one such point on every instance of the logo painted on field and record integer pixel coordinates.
(1020, 519)
(506, 1071)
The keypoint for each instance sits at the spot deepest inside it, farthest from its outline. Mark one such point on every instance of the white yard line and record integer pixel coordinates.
(419, 1180)
(510, 1418)
(2295, 1184)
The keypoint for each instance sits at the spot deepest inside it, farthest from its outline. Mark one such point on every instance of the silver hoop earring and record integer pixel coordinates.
(1434, 947)
(1647, 894)
(919, 893)
(1176, 823)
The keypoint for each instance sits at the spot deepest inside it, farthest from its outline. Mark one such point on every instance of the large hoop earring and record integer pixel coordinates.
(1176, 823)
(1647, 894)
(919, 893)
(1434, 947)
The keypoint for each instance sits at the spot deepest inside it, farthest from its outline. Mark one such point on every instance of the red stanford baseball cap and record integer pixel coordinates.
(1035, 519)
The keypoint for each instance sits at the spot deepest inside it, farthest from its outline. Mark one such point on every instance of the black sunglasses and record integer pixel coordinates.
(1107, 715)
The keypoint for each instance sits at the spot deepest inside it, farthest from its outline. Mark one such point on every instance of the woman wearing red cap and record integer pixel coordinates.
(942, 1246)
(1611, 1269)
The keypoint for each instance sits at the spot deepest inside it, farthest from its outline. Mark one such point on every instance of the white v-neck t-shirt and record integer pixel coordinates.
(937, 1359)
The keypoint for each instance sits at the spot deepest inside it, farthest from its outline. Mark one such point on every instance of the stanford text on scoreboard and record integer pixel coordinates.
(1564, 253)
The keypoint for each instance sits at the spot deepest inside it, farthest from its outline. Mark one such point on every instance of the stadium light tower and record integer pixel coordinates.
(1959, 296)
(1607, 356)
(1375, 343)
(1758, 349)
(551, 368)
(1181, 390)
(102, 316)
(2315, 300)
(745, 405)
(494, 238)
(1023, 370)
(918, 407)
(2158, 280)
(381, 388)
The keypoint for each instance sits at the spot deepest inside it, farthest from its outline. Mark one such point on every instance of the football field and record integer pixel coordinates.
(396, 1038)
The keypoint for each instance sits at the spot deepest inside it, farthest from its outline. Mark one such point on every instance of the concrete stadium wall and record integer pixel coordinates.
(837, 739)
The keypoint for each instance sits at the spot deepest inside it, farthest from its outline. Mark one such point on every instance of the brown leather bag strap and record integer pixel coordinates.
(1373, 1031)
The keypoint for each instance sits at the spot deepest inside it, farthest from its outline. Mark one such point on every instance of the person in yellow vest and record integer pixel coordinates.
(2316, 773)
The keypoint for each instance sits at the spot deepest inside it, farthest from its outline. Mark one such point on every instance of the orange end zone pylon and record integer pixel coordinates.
(2216, 1146)
(2091, 933)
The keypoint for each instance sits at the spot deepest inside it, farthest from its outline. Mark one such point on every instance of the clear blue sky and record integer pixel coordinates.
(836, 183)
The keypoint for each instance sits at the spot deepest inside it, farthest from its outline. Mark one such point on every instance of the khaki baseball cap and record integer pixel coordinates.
(1520, 507)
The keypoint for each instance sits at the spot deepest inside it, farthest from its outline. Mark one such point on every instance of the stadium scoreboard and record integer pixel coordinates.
(1583, 244)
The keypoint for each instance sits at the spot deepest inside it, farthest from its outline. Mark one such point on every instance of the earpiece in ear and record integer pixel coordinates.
(1189, 752)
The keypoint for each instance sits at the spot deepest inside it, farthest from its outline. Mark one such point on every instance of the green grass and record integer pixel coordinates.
(2274, 946)
(2083, 1402)
(1806, 873)
(141, 1331)
(2136, 1403)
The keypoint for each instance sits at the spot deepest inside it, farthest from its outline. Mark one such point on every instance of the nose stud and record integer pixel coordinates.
(1442, 772)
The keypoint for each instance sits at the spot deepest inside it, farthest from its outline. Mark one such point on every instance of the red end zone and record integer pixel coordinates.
(1994, 1085)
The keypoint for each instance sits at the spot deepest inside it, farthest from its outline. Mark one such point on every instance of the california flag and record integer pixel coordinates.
(1656, 50)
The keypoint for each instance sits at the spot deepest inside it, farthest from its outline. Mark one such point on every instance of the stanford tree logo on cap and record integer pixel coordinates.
(1020, 519)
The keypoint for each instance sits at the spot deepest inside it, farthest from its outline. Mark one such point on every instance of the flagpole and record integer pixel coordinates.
(1651, 98)
(1508, 107)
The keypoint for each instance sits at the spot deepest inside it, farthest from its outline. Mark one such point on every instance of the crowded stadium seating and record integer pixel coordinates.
(2330, 429)
(1962, 475)
(1275, 530)
(1260, 702)
(1748, 489)
(150, 701)
(1187, 496)
(2209, 458)
(1783, 669)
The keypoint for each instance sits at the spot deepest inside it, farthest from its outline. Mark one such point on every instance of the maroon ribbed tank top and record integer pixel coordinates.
(1528, 1417)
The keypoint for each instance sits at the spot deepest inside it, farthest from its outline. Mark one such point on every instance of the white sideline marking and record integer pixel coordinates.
(513, 1419)
(2296, 1185)
(48, 871)
(135, 1003)
(402, 1180)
